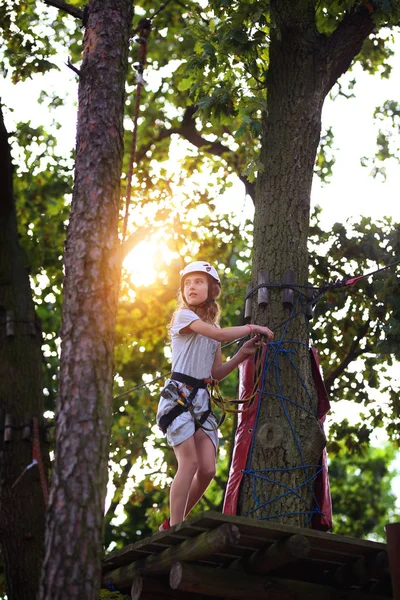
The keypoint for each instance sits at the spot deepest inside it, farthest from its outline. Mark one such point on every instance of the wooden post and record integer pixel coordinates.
(380, 564)
(235, 585)
(360, 571)
(199, 548)
(288, 293)
(137, 587)
(247, 305)
(157, 588)
(8, 428)
(26, 431)
(393, 544)
(281, 553)
(31, 328)
(309, 307)
(47, 433)
(355, 573)
(262, 291)
(10, 323)
(239, 585)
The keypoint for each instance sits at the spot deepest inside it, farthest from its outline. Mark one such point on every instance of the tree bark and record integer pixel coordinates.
(22, 506)
(303, 67)
(74, 532)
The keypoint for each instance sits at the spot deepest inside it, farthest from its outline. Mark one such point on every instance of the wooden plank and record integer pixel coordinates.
(363, 570)
(156, 543)
(237, 585)
(145, 587)
(280, 553)
(201, 547)
(267, 530)
(328, 552)
(393, 543)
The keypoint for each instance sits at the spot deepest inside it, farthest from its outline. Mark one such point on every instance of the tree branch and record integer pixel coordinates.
(6, 170)
(352, 354)
(71, 66)
(188, 131)
(68, 8)
(134, 239)
(346, 41)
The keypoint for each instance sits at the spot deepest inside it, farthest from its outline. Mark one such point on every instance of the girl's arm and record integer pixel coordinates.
(228, 334)
(220, 370)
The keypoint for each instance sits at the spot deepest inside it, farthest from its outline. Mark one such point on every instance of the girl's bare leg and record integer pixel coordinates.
(186, 455)
(205, 471)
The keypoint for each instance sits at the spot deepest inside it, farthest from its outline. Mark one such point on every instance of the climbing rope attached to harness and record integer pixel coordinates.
(225, 405)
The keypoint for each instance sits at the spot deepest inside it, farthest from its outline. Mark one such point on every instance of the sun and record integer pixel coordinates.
(146, 260)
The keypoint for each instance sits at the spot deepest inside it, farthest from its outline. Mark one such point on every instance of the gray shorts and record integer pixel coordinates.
(184, 426)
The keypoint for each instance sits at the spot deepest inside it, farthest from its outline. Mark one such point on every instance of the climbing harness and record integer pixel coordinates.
(172, 391)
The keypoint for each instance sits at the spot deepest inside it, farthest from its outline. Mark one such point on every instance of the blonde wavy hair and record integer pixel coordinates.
(210, 307)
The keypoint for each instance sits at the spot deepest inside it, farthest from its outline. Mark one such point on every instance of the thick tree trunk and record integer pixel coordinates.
(22, 506)
(92, 263)
(303, 67)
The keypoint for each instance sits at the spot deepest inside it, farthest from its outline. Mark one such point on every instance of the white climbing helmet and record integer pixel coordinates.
(200, 266)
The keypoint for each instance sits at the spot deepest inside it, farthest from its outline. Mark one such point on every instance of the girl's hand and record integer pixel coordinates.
(249, 348)
(263, 331)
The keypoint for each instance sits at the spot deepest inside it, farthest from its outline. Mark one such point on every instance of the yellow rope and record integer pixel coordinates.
(219, 400)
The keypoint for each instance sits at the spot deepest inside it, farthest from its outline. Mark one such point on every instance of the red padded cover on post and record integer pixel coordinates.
(244, 431)
(322, 491)
(243, 437)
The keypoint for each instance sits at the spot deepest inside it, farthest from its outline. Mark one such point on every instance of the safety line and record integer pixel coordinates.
(323, 289)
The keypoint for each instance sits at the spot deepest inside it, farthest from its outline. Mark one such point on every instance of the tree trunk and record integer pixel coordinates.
(74, 531)
(22, 506)
(303, 67)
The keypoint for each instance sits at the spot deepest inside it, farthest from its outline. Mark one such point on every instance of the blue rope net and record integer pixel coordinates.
(263, 479)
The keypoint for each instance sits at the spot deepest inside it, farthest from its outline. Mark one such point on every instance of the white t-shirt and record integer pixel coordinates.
(192, 353)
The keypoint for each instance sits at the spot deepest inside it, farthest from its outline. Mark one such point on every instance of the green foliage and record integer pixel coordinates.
(30, 35)
(358, 325)
(387, 140)
(330, 13)
(206, 83)
(42, 182)
(325, 157)
(361, 491)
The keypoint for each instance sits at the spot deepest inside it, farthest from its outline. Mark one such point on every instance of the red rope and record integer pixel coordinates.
(353, 280)
(36, 456)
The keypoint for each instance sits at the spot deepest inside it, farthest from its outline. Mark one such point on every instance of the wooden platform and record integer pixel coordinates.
(224, 556)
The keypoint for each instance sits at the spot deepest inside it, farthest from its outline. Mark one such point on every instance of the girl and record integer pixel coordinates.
(184, 412)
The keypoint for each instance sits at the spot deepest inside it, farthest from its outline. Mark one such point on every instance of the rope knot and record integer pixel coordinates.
(279, 346)
(284, 351)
